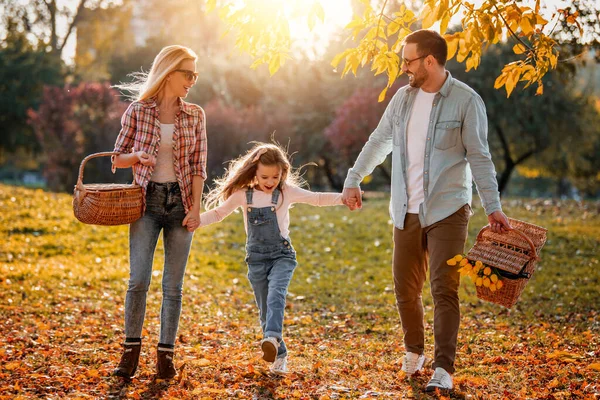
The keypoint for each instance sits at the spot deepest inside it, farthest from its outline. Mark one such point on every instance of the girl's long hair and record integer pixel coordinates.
(241, 173)
(146, 85)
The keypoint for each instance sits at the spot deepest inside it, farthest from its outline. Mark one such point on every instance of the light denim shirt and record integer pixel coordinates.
(456, 145)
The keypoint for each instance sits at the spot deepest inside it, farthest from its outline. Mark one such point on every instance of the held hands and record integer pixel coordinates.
(192, 219)
(352, 198)
(145, 158)
(499, 222)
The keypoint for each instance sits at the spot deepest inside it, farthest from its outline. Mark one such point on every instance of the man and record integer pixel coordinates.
(436, 130)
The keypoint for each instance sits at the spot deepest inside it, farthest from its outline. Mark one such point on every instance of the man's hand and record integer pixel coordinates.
(499, 222)
(192, 219)
(352, 198)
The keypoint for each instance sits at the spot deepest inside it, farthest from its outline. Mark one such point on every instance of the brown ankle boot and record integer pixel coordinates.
(129, 360)
(164, 363)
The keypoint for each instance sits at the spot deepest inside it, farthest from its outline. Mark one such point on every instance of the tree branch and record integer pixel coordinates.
(76, 18)
(513, 34)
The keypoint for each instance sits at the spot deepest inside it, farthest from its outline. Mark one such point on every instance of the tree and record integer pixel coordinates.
(354, 121)
(528, 127)
(262, 30)
(231, 129)
(73, 122)
(42, 20)
(24, 70)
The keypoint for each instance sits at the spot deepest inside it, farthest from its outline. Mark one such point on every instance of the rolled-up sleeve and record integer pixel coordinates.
(124, 142)
(198, 159)
(474, 136)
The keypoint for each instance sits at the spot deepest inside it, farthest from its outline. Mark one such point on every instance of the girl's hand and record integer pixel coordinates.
(145, 158)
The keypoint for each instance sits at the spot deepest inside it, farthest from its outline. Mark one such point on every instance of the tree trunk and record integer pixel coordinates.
(331, 176)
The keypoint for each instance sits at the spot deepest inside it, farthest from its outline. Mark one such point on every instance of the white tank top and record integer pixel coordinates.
(164, 170)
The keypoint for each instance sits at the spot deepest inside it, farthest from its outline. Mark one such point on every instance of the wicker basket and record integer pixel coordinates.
(514, 254)
(106, 204)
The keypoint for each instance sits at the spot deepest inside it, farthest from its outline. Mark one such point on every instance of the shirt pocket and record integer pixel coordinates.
(397, 129)
(446, 134)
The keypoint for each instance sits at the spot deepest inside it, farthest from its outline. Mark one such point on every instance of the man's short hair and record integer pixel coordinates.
(429, 42)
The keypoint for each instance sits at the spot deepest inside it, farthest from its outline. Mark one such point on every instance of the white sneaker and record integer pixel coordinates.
(440, 380)
(269, 346)
(279, 367)
(412, 363)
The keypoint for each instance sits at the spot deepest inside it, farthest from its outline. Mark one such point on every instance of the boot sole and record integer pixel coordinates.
(269, 351)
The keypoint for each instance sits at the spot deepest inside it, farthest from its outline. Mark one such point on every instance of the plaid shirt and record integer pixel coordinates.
(141, 131)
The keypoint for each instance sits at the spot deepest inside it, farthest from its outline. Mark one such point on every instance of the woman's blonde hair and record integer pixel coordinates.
(241, 172)
(146, 85)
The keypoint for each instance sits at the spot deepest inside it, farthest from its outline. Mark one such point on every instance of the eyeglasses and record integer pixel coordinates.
(407, 62)
(189, 75)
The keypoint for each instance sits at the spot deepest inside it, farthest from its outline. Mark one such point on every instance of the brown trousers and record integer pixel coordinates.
(413, 247)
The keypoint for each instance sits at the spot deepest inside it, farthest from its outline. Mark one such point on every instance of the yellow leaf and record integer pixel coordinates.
(393, 27)
(452, 46)
(274, 65)
(444, 23)
(210, 5)
(318, 10)
(562, 355)
(519, 48)
(526, 26)
(382, 95)
(510, 85)
(594, 366)
(540, 90)
(338, 57)
(428, 16)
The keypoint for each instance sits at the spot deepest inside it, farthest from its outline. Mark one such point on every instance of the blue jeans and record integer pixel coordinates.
(164, 211)
(270, 270)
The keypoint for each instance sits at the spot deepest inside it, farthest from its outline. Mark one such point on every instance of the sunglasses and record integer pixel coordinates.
(189, 75)
(407, 62)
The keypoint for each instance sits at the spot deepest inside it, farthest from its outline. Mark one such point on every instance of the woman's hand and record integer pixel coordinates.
(192, 219)
(145, 158)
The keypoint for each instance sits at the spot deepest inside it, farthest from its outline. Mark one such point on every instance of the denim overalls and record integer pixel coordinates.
(271, 262)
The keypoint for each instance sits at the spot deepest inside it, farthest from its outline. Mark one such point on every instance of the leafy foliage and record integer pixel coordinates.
(63, 288)
(73, 122)
(24, 70)
(262, 30)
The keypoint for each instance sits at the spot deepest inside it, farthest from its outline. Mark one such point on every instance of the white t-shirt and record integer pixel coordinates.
(289, 196)
(164, 170)
(416, 137)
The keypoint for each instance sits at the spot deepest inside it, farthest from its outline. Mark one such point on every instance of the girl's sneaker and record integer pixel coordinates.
(279, 367)
(269, 346)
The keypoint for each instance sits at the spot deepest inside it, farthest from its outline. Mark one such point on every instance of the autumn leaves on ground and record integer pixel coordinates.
(62, 287)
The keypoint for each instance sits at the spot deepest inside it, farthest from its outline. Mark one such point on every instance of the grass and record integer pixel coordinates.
(62, 289)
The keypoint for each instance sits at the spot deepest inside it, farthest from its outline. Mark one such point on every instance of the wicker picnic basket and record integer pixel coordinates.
(514, 254)
(106, 203)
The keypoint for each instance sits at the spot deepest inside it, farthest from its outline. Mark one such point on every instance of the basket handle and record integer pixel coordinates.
(532, 255)
(86, 159)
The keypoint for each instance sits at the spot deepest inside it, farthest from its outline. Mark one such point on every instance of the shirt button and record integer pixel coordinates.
(428, 138)
(425, 172)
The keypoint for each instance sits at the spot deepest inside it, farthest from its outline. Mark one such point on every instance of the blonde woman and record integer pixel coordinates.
(163, 139)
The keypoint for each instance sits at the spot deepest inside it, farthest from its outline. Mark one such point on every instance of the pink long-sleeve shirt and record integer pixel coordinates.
(289, 196)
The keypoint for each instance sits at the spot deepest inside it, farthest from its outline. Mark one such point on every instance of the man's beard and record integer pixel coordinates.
(419, 78)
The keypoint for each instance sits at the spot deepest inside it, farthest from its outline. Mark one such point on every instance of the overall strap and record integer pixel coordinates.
(249, 193)
(275, 196)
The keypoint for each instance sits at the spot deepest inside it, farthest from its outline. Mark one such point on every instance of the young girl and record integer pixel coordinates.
(264, 185)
